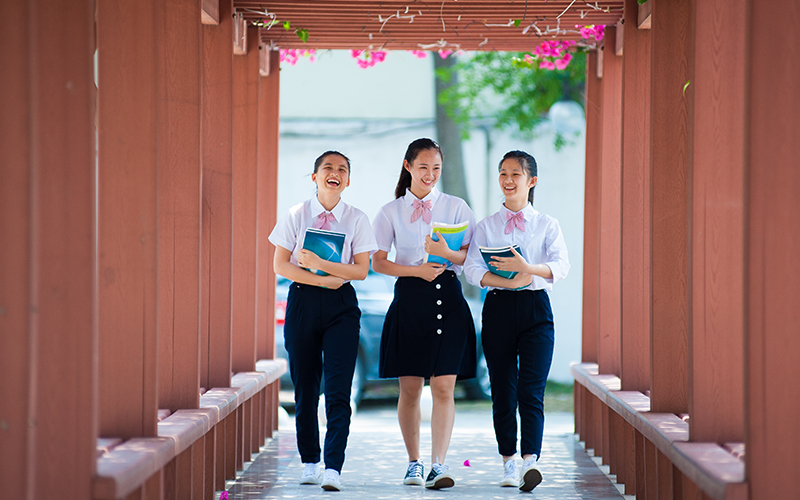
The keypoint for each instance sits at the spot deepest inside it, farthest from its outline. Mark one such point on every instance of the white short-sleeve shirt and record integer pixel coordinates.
(290, 230)
(542, 242)
(393, 226)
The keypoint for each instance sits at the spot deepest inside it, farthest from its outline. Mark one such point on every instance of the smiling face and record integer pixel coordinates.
(515, 181)
(425, 172)
(333, 175)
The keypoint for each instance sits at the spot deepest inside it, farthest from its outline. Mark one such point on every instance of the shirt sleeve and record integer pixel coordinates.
(363, 237)
(284, 234)
(556, 248)
(383, 231)
(475, 267)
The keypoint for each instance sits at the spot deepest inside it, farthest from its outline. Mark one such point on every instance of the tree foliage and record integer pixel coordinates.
(489, 85)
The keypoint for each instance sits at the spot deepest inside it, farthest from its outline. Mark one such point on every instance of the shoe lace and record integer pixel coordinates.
(310, 470)
(440, 468)
(510, 468)
(415, 468)
(331, 475)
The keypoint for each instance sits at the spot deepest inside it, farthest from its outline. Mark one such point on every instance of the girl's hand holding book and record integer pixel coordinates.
(517, 263)
(438, 247)
(520, 280)
(429, 271)
(309, 259)
(331, 282)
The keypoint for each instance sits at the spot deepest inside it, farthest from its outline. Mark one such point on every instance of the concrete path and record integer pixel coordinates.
(376, 462)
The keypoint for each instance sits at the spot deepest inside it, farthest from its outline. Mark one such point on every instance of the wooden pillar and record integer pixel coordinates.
(610, 210)
(718, 209)
(591, 224)
(48, 344)
(178, 129)
(267, 185)
(245, 135)
(669, 222)
(773, 243)
(127, 179)
(635, 266)
(216, 157)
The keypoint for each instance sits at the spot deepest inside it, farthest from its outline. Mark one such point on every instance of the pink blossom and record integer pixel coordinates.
(561, 63)
(223, 495)
(567, 57)
(466, 463)
(363, 64)
(599, 31)
(547, 64)
(421, 54)
(587, 32)
(355, 53)
(444, 53)
(528, 59)
(379, 55)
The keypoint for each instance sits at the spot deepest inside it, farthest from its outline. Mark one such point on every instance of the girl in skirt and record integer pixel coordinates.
(322, 315)
(518, 332)
(428, 331)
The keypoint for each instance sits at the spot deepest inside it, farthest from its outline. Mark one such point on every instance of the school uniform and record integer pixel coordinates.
(518, 330)
(321, 329)
(428, 329)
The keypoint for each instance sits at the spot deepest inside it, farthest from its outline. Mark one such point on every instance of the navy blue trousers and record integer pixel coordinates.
(321, 338)
(518, 339)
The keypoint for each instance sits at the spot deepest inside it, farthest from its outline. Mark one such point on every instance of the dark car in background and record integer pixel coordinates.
(375, 293)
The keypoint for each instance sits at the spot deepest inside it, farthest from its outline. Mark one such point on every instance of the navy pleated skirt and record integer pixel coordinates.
(428, 330)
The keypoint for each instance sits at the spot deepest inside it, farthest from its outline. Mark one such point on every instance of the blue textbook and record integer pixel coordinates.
(453, 234)
(505, 251)
(325, 244)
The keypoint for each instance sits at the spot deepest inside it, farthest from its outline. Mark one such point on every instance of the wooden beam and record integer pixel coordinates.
(127, 228)
(245, 136)
(772, 101)
(216, 158)
(591, 225)
(209, 11)
(610, 211)
(670, 179)
(636, 250)
(240, 34)
(178, 158)
(48, 344)
(267, 213)
(645, 15)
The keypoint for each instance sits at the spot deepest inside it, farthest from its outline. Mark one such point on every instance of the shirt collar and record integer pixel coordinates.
(317, 208)
(432, 196)
(527, 212)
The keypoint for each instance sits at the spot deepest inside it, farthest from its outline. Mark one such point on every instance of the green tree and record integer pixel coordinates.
(491, 85)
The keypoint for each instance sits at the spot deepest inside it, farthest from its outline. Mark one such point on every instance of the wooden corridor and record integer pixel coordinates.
(136, 286)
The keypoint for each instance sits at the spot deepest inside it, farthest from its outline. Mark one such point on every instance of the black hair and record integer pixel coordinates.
(527, 162)
(318, 161)
(404, 182)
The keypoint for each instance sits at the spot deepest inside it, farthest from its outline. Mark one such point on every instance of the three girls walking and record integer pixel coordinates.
(428, 331)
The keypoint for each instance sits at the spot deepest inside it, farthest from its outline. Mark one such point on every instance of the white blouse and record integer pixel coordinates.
(542, 242)
(393, 225)
(290, 230)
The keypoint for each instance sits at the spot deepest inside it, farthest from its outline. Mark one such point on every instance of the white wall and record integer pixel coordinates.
(372, 114)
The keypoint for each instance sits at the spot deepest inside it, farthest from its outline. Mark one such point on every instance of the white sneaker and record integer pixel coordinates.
(440, 477)
(531, 477)
(331, 481)
(510, 474)
(310, 474)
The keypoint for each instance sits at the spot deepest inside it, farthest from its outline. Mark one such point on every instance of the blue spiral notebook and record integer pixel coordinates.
(488, 253)
(325, 244)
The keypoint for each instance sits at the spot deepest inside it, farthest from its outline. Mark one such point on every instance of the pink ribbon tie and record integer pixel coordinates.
(422, 208)
(516, 220)
(324, 220)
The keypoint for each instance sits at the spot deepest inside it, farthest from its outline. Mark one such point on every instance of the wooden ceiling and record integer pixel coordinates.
(508, 25)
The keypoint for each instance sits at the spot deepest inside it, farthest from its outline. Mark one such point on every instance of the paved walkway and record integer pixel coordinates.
(376, 461)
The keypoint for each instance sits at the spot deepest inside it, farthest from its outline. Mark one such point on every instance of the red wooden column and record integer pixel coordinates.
(245, 135)
(48, 344)
(591, 224)
(635, 264)
(178, 160)
(716, 402)
(610, 209)
(669, 217)
(216, 156)
(267, 182)
(127, 217)
(773, 244)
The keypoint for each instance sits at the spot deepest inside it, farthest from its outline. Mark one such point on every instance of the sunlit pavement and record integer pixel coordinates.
(376, 462)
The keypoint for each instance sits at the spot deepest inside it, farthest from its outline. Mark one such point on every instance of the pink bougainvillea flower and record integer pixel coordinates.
(224, 496)
(598, 33)
(466, 463)
(363, 64)
(547, 64)
(587, 32)
(379, 56)
(528, 59)
(421, 54)
(561, 63)
(444, 53)
(356, 53)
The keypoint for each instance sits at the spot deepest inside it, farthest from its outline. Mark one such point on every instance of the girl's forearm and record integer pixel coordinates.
(541, 270)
